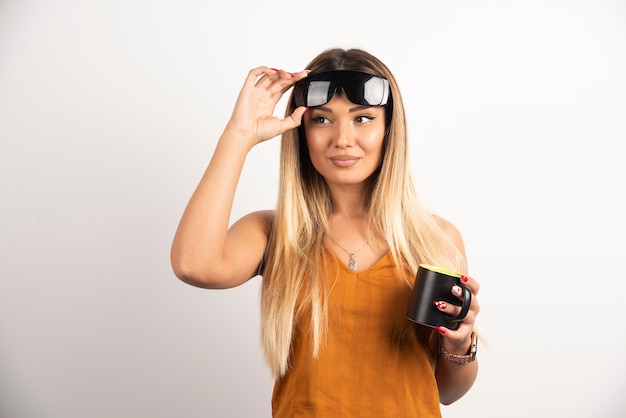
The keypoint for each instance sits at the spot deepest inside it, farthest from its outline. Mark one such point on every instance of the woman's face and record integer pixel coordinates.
(345, 140)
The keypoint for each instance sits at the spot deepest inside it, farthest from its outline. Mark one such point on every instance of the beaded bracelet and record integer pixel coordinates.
(468, 358)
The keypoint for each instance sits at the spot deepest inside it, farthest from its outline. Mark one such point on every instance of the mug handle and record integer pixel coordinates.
(467, 300)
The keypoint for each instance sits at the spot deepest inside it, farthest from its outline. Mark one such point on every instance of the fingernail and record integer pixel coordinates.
(464, 279)
(292, 76)
(275, 69)
(456, 290)
(440, 330)
(441, 304)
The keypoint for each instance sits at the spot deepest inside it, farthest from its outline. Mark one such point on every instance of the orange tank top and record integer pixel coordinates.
(371, 363)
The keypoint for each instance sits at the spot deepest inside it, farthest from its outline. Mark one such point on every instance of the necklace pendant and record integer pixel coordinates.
(352, 263)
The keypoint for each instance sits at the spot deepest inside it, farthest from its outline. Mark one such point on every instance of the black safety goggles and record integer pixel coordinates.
(360, 88)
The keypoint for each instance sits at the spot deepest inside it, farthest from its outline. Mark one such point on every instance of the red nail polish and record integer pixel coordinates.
(440, 330)
(441, 304)
(464, 279)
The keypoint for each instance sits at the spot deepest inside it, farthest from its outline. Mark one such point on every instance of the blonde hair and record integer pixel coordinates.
(296, 263)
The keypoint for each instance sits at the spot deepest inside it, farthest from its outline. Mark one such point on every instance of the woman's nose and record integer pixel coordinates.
(343, 135)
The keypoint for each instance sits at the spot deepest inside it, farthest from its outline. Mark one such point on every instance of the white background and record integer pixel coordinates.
(109, 112)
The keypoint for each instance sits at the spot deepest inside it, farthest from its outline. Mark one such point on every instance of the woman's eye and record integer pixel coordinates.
(364, 119)
(319, 119)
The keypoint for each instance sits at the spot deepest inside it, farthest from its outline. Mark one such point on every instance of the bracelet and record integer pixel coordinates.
(468, 358)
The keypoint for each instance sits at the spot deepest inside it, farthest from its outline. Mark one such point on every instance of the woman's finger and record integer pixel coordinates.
(471, 283)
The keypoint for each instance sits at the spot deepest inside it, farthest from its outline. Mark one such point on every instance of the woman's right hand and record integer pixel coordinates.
(253, 116)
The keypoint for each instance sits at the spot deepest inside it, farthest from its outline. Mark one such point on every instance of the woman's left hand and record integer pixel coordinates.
(458, 341)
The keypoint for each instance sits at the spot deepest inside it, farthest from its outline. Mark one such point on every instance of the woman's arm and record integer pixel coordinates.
(454, 379)
(205, 252)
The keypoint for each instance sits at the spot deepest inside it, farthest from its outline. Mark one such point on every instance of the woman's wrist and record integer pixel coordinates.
(468, 356)
(239, 138)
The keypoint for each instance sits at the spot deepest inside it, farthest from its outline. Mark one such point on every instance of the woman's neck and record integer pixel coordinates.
(349, 202)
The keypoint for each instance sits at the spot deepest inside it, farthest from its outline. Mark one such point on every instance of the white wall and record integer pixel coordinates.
(109, 111)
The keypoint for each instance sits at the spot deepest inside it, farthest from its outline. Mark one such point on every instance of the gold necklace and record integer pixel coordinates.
(351, 260)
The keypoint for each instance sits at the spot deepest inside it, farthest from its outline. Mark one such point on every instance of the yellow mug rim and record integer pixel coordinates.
(441, 270)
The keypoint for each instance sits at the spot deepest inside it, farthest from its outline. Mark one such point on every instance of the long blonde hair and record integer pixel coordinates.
(296, 263)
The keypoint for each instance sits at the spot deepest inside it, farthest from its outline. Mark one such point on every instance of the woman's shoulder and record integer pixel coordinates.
(450, 230)
(261, 219)
(445, 224)
(263, 215)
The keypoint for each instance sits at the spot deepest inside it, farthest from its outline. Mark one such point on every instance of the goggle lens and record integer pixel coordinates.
(360, 88)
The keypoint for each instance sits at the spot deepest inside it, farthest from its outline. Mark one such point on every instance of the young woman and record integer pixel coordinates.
(339, 254)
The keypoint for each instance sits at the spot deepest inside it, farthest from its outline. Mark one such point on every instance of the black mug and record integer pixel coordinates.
(435, 284)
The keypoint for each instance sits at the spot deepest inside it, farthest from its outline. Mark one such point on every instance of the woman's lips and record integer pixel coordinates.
(344, 160)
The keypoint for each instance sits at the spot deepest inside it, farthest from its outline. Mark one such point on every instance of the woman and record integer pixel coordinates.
(339, 254)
